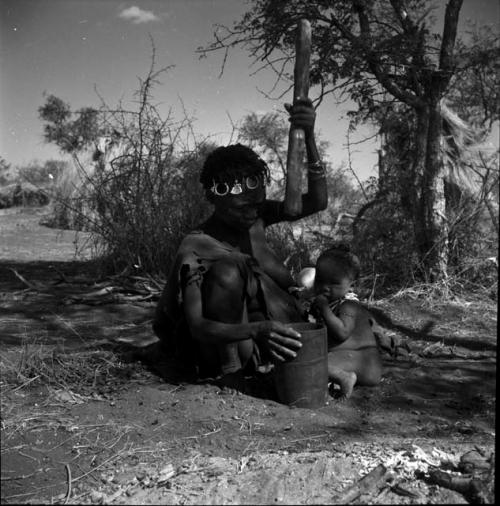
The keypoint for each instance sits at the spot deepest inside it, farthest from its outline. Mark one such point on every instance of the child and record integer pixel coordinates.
(353, 357)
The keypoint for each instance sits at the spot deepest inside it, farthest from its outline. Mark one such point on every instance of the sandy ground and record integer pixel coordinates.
(24, 240)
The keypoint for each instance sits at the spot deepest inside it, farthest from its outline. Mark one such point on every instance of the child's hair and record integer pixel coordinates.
(341, 254)
(228, 163)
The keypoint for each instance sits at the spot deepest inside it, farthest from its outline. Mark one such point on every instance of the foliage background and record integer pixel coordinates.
(141, 196)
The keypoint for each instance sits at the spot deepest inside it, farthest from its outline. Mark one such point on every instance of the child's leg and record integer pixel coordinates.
(345, 379)
(370, 370)
(364, 364)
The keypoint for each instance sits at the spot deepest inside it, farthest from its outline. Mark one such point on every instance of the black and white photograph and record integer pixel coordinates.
(249, 251)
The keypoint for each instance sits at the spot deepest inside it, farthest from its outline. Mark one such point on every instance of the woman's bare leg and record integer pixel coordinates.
(223, 292)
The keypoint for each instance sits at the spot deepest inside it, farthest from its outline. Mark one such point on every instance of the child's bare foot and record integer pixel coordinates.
(346, 380)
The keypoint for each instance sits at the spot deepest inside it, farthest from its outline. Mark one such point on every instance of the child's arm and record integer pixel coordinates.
(339, 327)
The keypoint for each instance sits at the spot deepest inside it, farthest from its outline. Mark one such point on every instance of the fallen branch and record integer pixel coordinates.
(400, 490)
(203, 435)
(473, 489)
(14, 478)
(376, 479)
(158, 284)
(307, 438)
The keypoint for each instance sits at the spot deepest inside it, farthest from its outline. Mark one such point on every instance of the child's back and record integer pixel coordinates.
(361, 336)
(358, 353)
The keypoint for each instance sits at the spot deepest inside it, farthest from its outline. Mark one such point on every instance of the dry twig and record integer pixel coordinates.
(25, 281)
(68, 493)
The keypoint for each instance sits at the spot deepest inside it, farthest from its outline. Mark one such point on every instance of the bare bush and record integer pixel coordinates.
(139, 194)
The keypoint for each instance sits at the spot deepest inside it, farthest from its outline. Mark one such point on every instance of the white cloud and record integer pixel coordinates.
(137, 15)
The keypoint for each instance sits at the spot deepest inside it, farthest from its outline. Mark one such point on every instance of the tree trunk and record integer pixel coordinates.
(433, 226)
(492, 212)
(414, 191)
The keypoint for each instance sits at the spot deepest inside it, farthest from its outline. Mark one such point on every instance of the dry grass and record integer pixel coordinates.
(65, 377)
(38, 384)
(449, 290)
(37, 364)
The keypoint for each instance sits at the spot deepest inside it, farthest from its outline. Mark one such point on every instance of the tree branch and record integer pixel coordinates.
(364, 42)
(449, 36)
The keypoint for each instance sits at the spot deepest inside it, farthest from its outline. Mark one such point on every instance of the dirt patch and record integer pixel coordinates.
(24, 240)
(92, 413)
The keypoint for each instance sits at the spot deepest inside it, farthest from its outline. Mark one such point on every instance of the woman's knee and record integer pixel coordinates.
(223, 292)
(225, 274)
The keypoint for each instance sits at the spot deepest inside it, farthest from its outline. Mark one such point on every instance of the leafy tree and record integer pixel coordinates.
(4, 171)
(40, 174)
(469, 178)
(70, 131)
(268, 135)
(378, 54)
(474, 92)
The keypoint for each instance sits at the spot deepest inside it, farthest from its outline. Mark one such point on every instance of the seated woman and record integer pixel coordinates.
(226, 303)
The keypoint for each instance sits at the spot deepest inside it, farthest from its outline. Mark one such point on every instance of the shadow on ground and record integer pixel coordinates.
(424, 333)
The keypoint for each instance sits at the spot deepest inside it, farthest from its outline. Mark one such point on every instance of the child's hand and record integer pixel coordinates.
(318, 305)
(321, 301)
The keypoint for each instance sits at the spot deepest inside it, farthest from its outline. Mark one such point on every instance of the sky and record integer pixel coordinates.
(68, 48)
